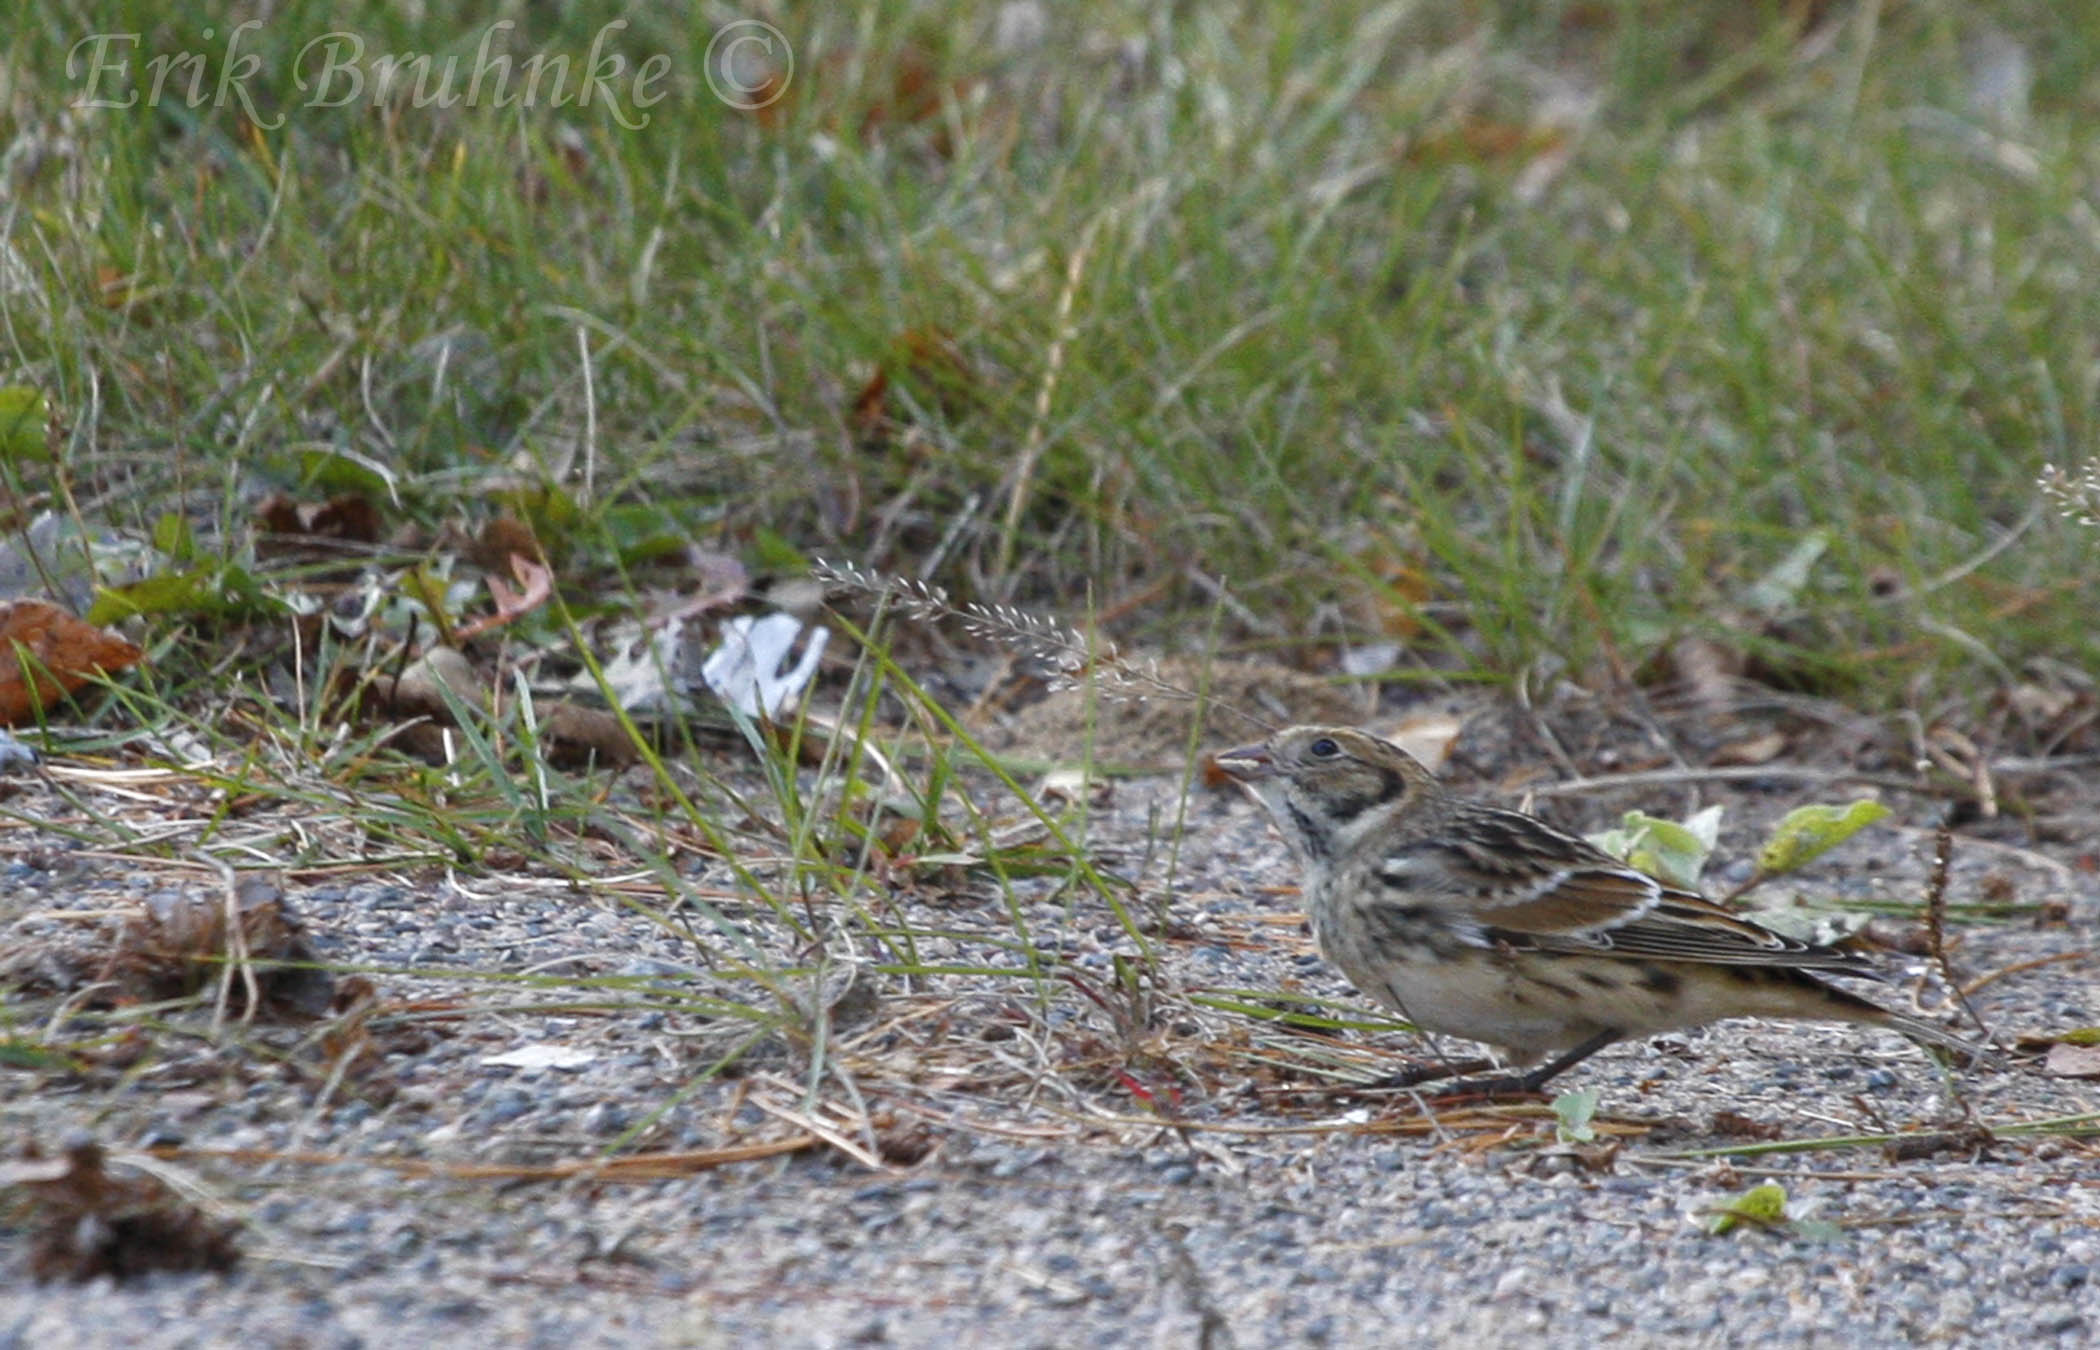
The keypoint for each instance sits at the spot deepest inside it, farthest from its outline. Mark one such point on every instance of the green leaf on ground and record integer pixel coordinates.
(24, 413)
(1811, 831)
(222, 591)
(331, 471)
(1763, 1205)
(1675, 851)
(1575, 1110)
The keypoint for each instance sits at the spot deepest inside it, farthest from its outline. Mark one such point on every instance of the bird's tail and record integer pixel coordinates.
(1941, 1044)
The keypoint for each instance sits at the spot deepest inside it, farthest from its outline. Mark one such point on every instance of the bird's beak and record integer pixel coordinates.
(1249, 763)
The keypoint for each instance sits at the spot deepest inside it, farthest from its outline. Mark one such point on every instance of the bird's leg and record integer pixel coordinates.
(1536, 1077)
(1531, 1080)
(1429, 1073)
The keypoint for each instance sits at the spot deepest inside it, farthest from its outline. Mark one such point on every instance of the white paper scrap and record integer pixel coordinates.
(540, 1055)
(749, 670)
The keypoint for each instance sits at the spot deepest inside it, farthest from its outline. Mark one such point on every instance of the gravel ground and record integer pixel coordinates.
(1028, 1199)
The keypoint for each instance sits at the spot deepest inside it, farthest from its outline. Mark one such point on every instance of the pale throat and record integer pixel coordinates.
(1376, 820)
(1316, 836)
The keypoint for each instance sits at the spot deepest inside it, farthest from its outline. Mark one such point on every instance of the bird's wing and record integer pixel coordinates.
(1527, 885)
(1685, 927)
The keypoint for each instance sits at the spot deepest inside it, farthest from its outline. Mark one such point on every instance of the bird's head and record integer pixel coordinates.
(1327, 786)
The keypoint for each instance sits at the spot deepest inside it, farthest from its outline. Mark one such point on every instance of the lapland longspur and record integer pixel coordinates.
(1481, 922)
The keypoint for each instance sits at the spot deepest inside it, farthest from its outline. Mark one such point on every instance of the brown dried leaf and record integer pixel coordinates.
(419, 691)
(1735, 1124)
(575, 736)
(721, 580)
(1969, 1139)
(92, 1221)
(502, 539)
(1751, 750)
(179, 943)
(2072, 1061)
(537, 582)
(293, 527)
(1706, 670)
(916, 93)
(44, 652)
(869, 416)
(118, 289)
(1480, 140)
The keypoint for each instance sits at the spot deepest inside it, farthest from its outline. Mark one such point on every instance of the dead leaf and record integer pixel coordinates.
(2059, 713)
(124, 291)
(293, 527)
(1973, 1140)
(2072, 1061)
(503, 538)
(1400, 575)
(916, 92)
(417, 698)
(44, 651)
(542, 1055)
(722, 581)
(537, 582)
(1429, 736)
(869, 416)
(1750, 751)
(2039, 704)
(1707, 670)
(93, 1221)
(576, 736)
(354, 1051)
(1479, 140)
(180, 942)
(419, 691)
(749, 668)
(1737, 1125)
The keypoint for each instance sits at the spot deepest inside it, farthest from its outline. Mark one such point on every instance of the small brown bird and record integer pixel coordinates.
(1486, 923)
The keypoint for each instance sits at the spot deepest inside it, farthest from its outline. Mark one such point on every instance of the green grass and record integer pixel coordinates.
(1304, 339)
(1296, 301)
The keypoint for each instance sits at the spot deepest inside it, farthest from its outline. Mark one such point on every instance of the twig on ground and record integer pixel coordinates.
(1936, 922)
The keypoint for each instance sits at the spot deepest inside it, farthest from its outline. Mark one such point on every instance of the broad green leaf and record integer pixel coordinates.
(1763, 1205)
(1811, 831)
(333, 470)
(172, 536)
(220, 591)
(24, 413)
(1776, 589)
(775, 553)
(645, 532)
(1576, 1109)
(1675, 851)
(21, 1053)
(648, 548)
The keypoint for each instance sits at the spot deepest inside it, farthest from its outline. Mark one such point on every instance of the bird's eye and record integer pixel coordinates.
(1324, 748)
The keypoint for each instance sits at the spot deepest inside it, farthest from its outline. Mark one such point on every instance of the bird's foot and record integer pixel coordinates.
(1429, 1071)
